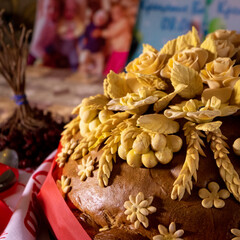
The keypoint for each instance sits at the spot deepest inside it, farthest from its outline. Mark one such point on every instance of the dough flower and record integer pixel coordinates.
(196, 111)
(220, 73)
(86, 168)
(194, 58)
(138, 208)
(149, 62)
(224, 48)
(136, 103)
(170, 234)
(223, 34)
(214, 196)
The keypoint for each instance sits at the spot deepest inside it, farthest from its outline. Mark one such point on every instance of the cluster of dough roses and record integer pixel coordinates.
(204, 74)
(213, 59)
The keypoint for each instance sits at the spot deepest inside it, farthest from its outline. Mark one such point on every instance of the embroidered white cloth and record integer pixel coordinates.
(26, 221)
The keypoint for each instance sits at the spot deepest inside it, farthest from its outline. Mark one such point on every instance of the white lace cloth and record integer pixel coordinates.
(27, 221)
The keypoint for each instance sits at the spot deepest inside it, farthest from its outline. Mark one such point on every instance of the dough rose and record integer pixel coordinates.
(226, 42)
(149, 62)
(220, 73)
(229, 35)
(225, 48)
(223, 34)
(194, 58)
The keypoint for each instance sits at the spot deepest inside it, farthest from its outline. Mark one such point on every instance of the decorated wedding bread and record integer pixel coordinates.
(157, 156)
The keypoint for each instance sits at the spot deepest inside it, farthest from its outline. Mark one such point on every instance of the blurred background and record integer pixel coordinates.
(75, 43)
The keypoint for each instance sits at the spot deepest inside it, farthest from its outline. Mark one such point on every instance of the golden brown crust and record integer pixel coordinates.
(105, 205)
(119, 234)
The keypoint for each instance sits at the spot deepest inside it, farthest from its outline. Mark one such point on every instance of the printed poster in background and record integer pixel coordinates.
(88, 36)
(160, 21)
(224, 14)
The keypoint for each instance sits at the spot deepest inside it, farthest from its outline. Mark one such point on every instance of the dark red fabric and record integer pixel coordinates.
(6, 214)
(60, 217)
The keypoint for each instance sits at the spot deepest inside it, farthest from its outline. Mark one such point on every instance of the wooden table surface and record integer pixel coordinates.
(55, 90)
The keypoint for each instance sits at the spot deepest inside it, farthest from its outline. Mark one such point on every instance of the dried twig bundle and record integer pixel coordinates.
(13, 61)
(28, 129)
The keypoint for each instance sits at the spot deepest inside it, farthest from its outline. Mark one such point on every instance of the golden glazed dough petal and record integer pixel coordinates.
(235, 99)
(148, 47)
(169, 48)
(202, 56)
(195, 38)
(223, 94)
(211, 126)
(230, 82)
(187, 40)
(157, 123)
(115, 85)
(191, 39)
(132, 82)
(236, 70)
(209, 44)
(203, 116)
(184, 75)
(228, 110)
(97, 102)
(115, 104)
(151, 81)
(164, 101)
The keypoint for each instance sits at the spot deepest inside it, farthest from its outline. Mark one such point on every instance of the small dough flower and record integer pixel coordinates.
(235, 232)
(213, 197)
(196, 111)
(136, 103)
(138, 208)
(149, 62)
(220, 73)
(194, 58)
(170, 234)
(86, 168)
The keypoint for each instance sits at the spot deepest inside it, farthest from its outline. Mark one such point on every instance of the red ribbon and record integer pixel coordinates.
(63, 222)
